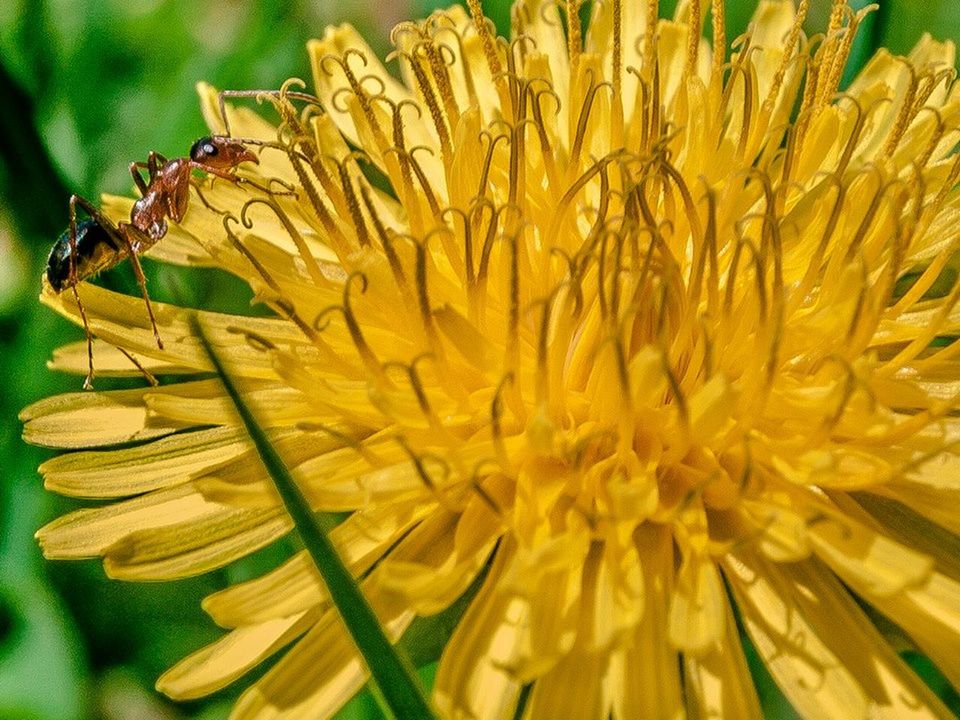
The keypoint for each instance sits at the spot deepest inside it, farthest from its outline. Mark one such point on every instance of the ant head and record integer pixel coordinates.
(221, 153)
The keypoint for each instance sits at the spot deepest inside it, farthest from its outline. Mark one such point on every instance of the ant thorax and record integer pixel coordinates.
(148, 216)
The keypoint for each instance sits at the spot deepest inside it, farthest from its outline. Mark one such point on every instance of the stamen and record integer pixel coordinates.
(422, 178)
(339, 242)
(833, 40)
(255, 340)
(542, 391)
(436, 114)
(855, 325)
(842, 54)
(353, 327)
(574, 34)
(514, 81)
(788, 50)
(488, 159)
(417, 386)
(546, 150)
(241, 248)
(402, 181)
(313, 267)
(468, 81)
(748, 97)
(363, 98)
(814, 268)
(711, 252)
(477, 487)
(734, 269)
(616, 280)
(513, 315)
(935, 137)
(423, 295)
(380, 229)
(420, 467)
(359, 226)
(904, 115)
(583, 118)
(808, 102)
(441, 77)
(948, 186)
(719, 31)
(655, 128)
(708, 347)
(487, 43)
(492, 227)
(347, 440)
(675, 390)
(467, 256)
(496, 418)
(855, 132)
(623, 377)
(858, 236)
(517, 167)
(553, 230)
(650, 37)
(693, 39)
(618, 48)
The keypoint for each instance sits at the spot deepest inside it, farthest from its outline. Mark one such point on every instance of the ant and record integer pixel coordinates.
(96, 243)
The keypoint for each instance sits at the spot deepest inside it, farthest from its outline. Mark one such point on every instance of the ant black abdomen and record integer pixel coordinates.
(95, 250)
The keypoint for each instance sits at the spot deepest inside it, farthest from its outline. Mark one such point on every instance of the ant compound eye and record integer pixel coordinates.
(203, 148)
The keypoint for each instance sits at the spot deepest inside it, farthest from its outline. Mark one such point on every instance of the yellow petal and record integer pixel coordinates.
(696, 606)
(426, 570)
(89, 532)
(83, 420)
(184, 549)
(645, 677)
(217, 665)
(296, 585)
(572, 690)
(320, 673)
(473, 679)
(824, 653)
(718, 683)
(151, 466)
(110, 361)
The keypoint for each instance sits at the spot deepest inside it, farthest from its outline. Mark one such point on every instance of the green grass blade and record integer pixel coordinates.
(392, 672)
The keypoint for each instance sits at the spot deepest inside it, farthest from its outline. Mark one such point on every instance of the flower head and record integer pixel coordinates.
(621, 341)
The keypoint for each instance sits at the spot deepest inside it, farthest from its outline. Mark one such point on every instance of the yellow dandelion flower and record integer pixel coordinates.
(625, 345)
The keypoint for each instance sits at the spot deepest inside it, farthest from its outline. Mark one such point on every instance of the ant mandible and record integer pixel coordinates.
(96, 244)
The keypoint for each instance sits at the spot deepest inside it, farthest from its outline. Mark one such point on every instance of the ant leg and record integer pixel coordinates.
(88, 380)
(305, 97)
(124, 228)
(231, 177)
(151, 378)
(153, 164)
(196, 186)
(155, 161)
(287, 188)
(74, 201)
(138, 177)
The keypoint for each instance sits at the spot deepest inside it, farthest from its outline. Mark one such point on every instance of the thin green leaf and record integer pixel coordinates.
(391, 671)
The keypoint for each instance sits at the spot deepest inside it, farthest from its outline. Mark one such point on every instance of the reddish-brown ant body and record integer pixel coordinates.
(96, 243)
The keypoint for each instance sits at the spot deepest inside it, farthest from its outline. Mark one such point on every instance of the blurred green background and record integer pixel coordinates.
(86, 86)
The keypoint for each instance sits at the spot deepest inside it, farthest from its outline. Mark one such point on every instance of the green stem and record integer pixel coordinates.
(391, 671)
